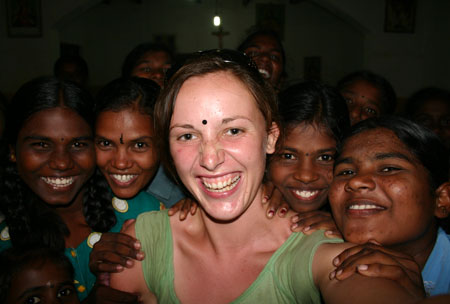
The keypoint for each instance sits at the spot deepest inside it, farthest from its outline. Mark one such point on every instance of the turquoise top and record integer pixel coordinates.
(124, 210)
(286, 278)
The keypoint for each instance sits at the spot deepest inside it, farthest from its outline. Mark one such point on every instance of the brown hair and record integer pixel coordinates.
(236, 63)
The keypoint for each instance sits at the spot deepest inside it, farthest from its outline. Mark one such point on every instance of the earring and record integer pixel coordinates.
(12, 157)
(444, 210)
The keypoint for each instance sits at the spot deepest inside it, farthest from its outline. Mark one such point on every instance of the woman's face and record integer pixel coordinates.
(435, 115)
(55, 155)
(218, 141)
(363, 101)
(126, 152)
(153, 65)
(265, 51)
(43, 283)
(303, 169)
(380, 191)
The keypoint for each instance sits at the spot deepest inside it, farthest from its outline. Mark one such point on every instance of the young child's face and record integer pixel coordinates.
(363, 101)
(126, 151)
(303, 169)
(42, 283)
(55, 155)
(381, 192)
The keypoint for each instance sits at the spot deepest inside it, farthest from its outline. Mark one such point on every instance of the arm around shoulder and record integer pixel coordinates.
(132, 279)
(357, 288)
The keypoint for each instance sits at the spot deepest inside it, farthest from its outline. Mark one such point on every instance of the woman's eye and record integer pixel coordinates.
(326, 157)
(348, 101)
(275, 58)
(65, 292)
(186, 137)
(141, 145)
(103, 143)
(234, 131)
(32, 300)
(389, 169)
(345, 172)
(40, 145)
(80, 144)
(371, 111)
(145, 69)
(288, 156)
(252, 54)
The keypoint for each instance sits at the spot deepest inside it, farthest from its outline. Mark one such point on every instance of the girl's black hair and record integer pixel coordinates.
(30, 220)
(132, 59)
(124, 93)
(14, 260)
(387, 94)
(313, 102)
(423, 144)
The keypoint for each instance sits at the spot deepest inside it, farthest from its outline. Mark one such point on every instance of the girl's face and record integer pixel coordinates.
(153, 65)
(303, 169)
(435, 115)
(363, 101)
(381, 192)
(55, 155)
(265, 51)
(42, 283)
(126, 152)
(218, 141)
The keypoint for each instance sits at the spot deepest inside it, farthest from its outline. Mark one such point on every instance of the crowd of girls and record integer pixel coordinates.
(76, 173)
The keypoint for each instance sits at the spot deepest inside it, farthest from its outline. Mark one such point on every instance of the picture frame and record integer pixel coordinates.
(400, 16)
(23, 18)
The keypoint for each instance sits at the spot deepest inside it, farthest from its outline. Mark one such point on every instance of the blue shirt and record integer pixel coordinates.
(164, 189)
(436, 273)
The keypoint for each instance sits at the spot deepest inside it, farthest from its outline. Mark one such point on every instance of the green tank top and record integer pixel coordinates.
(286, 278)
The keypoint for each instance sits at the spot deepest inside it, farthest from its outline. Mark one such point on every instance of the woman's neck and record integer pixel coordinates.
(75, 221)
(420, 248)
(248, 228)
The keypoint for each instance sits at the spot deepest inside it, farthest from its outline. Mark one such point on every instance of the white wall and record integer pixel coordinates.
(347, 34)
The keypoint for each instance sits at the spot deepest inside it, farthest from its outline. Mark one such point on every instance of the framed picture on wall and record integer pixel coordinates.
(400, 16)
(23, 18)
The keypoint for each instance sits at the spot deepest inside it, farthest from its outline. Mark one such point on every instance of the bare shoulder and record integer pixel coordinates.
(132, 279)
(370, 289)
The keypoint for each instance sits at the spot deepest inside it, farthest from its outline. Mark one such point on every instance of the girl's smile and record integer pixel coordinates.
(302, 169)
(380, 190)
(217, 161)
(126, 155)
(53, 168)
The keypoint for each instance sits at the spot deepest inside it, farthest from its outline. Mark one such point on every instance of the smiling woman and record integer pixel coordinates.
(229, 246)
(51, 195)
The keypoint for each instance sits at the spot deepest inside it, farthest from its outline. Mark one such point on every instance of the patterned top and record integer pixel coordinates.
(124, 210)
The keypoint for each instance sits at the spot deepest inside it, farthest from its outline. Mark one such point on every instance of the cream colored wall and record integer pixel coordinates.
(346, 34)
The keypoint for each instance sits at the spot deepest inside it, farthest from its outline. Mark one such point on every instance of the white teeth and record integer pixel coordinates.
(222, 186)
(306, 194)
(58, 182)
(123, 178)
(264, 73)
(364, 207)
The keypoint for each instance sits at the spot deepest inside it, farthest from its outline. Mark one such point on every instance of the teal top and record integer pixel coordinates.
(124, 210)
(286, 278)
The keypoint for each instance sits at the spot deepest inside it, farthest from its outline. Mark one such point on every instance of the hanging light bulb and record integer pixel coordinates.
(216, 20)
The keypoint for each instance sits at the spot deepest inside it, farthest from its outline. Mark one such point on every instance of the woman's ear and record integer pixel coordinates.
(12, 154)
(272, 137)
(442, 208)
